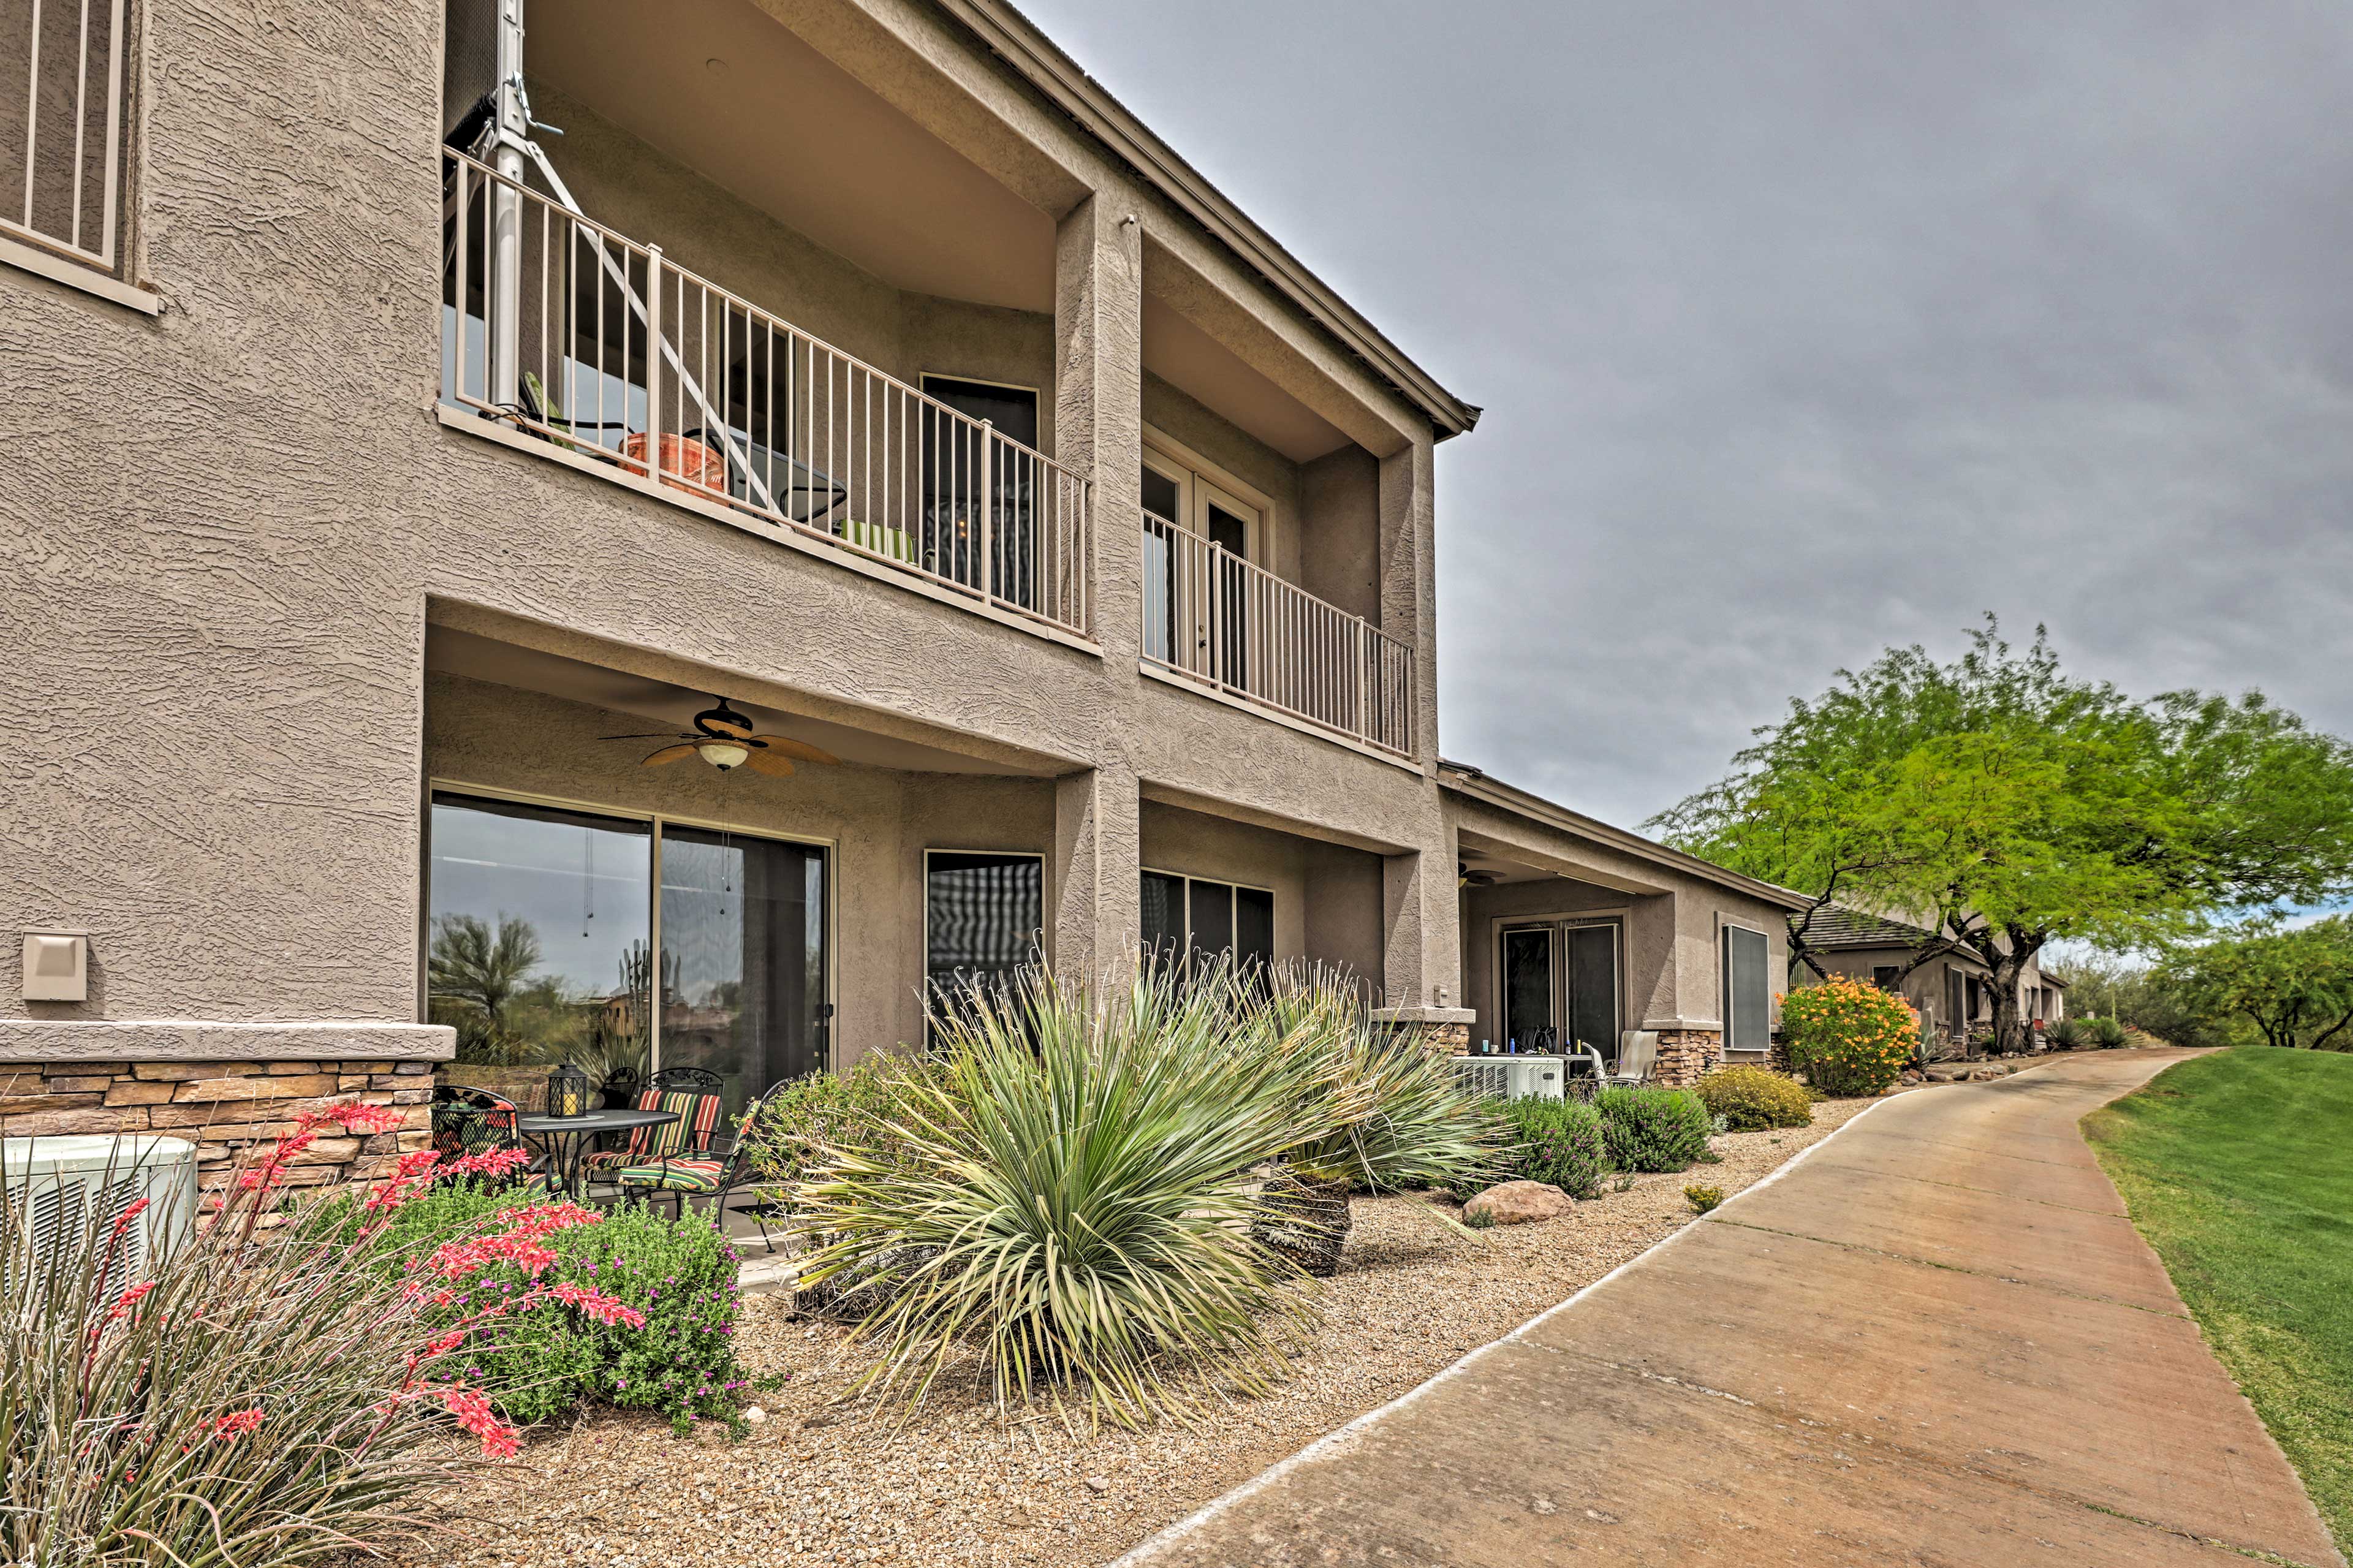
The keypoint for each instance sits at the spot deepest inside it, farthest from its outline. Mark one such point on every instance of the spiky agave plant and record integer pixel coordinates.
(1069, 1198)
(1382, 1112)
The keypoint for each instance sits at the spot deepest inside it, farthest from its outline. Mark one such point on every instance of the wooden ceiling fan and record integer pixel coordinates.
(723, 738)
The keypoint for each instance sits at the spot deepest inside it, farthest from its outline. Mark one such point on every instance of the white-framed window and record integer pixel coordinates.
(1747, 989)
(1185, 918)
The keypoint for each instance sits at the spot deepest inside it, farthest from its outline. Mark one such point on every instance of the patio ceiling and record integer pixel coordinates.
(452, 651)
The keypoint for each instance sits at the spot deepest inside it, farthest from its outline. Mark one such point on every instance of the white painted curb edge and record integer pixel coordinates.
(1341, 1437)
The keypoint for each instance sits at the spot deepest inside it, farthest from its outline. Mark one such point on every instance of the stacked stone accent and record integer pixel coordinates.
(1685, 1056)
(1439, 1039)
(223, 1108)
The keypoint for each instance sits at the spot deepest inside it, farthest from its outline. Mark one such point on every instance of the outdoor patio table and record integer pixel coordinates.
(565, 1138)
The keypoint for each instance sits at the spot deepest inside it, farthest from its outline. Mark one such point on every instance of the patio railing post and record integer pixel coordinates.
(653, 361)
(987, 510)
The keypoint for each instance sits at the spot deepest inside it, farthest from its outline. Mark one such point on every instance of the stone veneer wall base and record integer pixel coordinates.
(1686, 1056)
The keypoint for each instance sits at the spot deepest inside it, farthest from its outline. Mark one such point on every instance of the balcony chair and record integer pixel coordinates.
(1638, 1054)
(727, 1166)
(691, 1094)
(469, 1121)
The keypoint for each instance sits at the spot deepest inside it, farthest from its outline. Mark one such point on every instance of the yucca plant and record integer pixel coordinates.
(1382, 1112)
(1068, 1199)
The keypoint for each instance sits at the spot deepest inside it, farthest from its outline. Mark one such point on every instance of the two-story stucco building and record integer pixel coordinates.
(392, 482)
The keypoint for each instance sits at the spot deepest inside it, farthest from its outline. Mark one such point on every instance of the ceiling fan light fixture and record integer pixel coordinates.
(722, 755)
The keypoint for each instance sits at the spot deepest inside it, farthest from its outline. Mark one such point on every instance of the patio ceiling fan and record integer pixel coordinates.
(723, 738)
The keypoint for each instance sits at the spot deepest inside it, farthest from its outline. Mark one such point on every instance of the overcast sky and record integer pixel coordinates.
(1806, 328)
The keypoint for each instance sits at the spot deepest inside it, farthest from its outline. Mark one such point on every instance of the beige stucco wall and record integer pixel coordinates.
(1327, 897)
(235, 519)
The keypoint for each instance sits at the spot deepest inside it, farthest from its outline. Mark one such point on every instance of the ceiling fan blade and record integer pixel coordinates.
(800, 748)
(667, 754)
(728, 725)
(649, 735)
(768, 763)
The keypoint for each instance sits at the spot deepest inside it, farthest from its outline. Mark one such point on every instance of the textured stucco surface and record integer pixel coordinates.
(231, 524)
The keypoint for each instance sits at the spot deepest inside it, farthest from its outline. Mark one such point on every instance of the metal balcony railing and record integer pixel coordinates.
(1211, 616)
(61, 126)
(595, 343)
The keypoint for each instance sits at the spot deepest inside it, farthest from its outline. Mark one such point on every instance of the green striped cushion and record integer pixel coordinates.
(677, 1175)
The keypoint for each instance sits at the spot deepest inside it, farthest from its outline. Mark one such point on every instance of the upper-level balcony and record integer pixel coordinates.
(749, 284)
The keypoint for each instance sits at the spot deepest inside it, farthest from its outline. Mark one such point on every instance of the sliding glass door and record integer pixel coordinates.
(549, 938)
(1559, 986)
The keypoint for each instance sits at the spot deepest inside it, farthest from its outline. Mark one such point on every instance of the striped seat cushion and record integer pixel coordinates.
(685, 1175)
(698, 1120)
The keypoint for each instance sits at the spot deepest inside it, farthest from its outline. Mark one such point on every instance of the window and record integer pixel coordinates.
(1184, 595)
(1884, 975)
(1192, 918)
(984, 920)
(64, 89)
(1747, 990)
(549, 938)
(958, 461)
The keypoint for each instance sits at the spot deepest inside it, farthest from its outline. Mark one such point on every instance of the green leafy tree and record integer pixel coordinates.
(2294, 984)
(2004, 804)
(470, 962)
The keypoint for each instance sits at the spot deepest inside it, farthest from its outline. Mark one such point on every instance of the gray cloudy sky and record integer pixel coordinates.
(1806, 328)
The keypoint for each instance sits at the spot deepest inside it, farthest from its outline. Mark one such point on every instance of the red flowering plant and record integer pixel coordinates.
(256, 1386)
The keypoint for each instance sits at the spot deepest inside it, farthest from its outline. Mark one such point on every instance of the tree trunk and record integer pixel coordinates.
(1306, 1221)
(2011, 1037)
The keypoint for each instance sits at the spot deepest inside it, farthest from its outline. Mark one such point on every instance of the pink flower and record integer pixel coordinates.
(130, 1297)
(229, 1428)
(604, 1309)
(472, 1409)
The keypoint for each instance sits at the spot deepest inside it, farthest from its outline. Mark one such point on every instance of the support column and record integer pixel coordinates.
(1408, 578)
(1099, 407)
(1097, 873)
(1421, 956)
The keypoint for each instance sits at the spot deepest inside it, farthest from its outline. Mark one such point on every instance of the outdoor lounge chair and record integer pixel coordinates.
(713, 1175)
(691, 1094)
(1638, 1052)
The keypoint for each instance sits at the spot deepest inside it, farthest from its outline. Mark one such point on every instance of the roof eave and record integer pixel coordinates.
(1017, 41)
(1475, 783)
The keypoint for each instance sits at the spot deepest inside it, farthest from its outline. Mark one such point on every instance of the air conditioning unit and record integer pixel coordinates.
(1514, 1076)
(70, 1184)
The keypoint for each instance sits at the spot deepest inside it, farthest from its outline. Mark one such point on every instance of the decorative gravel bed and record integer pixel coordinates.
(953, 1485)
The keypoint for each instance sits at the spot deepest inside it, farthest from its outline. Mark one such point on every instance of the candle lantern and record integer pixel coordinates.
(567, 1091)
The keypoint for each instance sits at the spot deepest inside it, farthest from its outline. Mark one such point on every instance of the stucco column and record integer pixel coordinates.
(1099, 407)
(1408, 578)
(1097, 872)
(1421, 951)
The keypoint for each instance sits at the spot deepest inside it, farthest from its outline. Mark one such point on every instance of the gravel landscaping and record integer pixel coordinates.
(955, 1485)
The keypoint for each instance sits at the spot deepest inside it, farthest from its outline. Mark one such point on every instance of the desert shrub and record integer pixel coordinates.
(1559, 1141)
(2068, 1035)
(1849, 1039)
(256, 1394)
(828, 1109)
(1652, 1129)
(1703, 1199)
(1751, 1099)
(2106, 1033)
(678, 1274)
(1071, 1199)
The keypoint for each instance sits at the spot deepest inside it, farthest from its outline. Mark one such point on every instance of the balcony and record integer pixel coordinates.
(1216, 620)
(613, 358)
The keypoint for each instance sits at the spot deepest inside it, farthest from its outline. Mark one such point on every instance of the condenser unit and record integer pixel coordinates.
(1515, 1076)
(70, 1184)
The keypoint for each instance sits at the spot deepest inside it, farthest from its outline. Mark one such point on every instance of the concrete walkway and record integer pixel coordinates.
(1936, 1340)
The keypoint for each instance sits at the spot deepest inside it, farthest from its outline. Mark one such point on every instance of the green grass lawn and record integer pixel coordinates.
(2238, 1167)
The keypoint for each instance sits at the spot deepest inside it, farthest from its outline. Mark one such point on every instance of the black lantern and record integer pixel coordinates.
(567, 1091)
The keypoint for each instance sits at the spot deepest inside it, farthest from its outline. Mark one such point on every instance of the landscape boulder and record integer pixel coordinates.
(1520, 1203)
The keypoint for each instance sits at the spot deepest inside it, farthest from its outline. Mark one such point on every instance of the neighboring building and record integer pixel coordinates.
(898, 387)
(1954, 991)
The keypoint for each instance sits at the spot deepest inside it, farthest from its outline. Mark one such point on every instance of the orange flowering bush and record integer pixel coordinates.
(1849, 1039)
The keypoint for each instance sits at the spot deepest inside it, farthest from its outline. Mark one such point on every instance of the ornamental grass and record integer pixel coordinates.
(264, 1391)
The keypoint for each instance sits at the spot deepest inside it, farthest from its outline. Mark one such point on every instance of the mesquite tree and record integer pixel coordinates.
(2001, 804)
(2294, 984)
